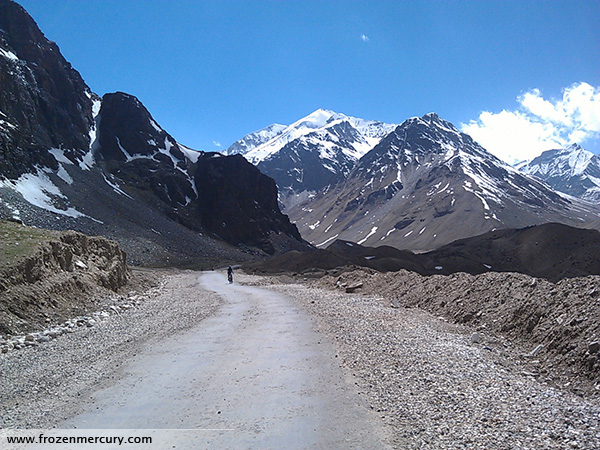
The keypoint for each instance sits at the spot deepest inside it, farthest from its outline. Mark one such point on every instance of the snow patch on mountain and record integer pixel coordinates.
(38, 190)
(191, 154)
(8, 55)
(255, 139)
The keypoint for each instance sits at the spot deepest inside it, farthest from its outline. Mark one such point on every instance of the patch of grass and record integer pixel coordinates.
(19, 241)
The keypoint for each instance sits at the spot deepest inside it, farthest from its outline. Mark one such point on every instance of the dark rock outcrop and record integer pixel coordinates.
(135, 149)
(238, 203)
(224, 195)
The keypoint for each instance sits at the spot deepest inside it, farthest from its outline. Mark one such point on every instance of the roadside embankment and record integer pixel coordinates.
(556, 324)
(47, 277)
(437, 384)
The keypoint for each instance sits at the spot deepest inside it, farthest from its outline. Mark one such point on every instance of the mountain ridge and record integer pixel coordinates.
(312, 152)
(70, 159)
(425, 185)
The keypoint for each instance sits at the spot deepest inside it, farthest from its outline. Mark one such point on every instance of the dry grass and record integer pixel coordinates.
(19, 241)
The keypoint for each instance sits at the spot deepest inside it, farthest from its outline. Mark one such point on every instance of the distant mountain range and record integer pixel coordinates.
(311, 153)
(422, 185)
(70, 159)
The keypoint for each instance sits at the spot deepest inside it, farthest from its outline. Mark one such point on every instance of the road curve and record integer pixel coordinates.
(254, 375)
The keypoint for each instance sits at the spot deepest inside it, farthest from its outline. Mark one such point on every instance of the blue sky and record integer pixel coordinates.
(212, 71)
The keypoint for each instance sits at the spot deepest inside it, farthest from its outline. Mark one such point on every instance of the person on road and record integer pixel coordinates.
(230, 274)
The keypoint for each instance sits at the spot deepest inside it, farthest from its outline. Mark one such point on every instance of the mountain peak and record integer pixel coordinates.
(320, 126)
(572, 170)
(316, 119)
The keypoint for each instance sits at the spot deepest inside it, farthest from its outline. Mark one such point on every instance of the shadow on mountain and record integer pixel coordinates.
(552, 251)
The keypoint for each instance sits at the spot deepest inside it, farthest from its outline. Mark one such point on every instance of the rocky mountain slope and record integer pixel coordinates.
(312, 152)
(571, 170)
(552, 251)
(44, 102)
(69, 159)
(427, 184)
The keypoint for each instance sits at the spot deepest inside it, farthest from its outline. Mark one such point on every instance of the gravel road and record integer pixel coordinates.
(253, 374)
(264, 369)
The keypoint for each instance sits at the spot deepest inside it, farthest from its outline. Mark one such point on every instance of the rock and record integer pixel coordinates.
(54, 332)
(468, 317)
(476, 338)
(594, 347)
(395, 303)
(536, 350)
(29, 338)
(350, 289)
(90, 323)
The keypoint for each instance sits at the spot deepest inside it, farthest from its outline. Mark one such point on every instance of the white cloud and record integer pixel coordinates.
(539, 124)
(217, 144)
(364, 38)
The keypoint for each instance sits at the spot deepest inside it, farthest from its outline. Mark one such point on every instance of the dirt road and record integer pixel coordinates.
(254, 375)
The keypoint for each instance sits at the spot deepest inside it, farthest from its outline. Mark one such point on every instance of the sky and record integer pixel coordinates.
(520, 76)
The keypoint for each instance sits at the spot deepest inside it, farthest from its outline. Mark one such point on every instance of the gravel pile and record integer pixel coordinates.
(46, 383)
(557, 324)
(441, 386)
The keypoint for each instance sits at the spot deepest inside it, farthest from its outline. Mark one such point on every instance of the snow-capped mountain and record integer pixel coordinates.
(255, 139)
(312, 152)
(323, 124)
(572, 170)
(427, 184)
(70, 159)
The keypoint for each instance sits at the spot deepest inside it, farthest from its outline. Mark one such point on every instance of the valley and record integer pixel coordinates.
(396, 284)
